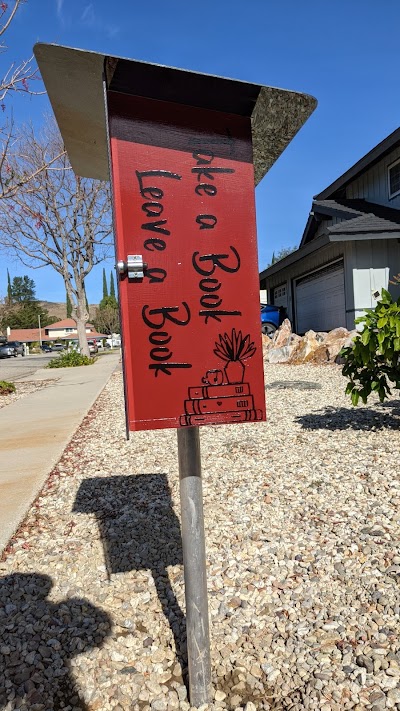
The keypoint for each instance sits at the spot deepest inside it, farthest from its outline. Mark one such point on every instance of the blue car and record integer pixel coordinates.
(271, 318)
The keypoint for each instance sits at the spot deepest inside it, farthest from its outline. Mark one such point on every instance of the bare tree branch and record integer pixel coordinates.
(55, 218)
(17, 78)
(4, 8)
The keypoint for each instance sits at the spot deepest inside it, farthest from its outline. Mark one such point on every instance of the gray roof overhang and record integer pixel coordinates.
(322, 241)
(74, 81)
(366, 162)
(359, 236)
(295, 256)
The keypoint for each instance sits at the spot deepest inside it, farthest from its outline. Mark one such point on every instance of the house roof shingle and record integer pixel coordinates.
(357, 215)
(364, 223)
(31, 335)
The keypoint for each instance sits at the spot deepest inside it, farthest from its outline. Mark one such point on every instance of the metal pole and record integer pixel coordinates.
(194, 561)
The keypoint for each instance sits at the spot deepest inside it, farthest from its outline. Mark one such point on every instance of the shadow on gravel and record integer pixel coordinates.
(386, 416)
(38, 638)
(139, 531)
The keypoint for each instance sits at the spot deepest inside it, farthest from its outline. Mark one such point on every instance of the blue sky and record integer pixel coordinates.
(343, 53)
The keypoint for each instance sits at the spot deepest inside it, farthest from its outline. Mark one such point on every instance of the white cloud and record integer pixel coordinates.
(93, 22)
(59, 5)
(88, 16)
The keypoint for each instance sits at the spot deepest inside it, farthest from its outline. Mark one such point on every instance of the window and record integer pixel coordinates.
(279, 292)
(394, 179)
(69, 330)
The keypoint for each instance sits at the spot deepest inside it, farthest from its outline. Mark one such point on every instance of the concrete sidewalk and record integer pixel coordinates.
(35, 430)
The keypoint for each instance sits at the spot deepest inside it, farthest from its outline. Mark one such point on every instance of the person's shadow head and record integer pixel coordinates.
(139, 531)
(38, 638)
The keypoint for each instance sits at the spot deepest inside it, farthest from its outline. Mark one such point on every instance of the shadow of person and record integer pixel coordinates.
(139, 530)
(38, 638)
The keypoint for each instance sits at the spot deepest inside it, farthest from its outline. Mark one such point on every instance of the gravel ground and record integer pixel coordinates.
(302, 532)
(22, 389)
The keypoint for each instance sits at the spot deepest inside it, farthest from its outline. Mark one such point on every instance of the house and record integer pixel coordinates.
(350, 247)
(64, 330)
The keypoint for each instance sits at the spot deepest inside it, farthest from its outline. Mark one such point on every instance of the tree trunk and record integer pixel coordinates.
(80, 315)
(83, 344)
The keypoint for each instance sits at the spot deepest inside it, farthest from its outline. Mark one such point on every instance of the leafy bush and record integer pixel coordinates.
(6, 388)
(70, 360)
(373, 361)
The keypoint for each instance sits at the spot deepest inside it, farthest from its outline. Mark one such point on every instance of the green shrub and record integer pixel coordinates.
(6, 388)
(372, 362)
(70, 360)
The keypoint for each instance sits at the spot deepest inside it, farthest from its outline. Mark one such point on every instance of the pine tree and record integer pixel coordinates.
(112, 286)
(9, 292)
(23, 290)
(105, 290)
(69, 307)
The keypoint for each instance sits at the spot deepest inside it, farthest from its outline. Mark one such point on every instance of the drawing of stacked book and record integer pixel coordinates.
(217, 404)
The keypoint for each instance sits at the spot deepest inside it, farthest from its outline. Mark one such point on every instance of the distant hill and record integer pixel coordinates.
(59, 309)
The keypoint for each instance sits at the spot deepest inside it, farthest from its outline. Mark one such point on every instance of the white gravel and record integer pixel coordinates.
(302, 532)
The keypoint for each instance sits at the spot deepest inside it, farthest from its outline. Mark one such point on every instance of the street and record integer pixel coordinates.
(22, 367)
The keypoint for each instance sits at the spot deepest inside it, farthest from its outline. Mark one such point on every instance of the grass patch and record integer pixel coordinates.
(70, 360)
(6, 388)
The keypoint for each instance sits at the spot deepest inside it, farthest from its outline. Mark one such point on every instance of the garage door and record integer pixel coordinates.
(280, 296)
(320, 300)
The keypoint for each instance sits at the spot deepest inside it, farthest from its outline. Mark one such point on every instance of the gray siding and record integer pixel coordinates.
(369, 265)
(373, 184)
(322, 227)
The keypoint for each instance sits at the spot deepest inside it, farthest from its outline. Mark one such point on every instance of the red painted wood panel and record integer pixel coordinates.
(184, 199)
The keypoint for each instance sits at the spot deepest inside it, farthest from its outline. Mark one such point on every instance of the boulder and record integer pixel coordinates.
(307, 345)
(282, 335)
(266, 345)
(313, 347)
(320, 355)
(348, 341)
(350, 338)
(279, 355)
(336, 334)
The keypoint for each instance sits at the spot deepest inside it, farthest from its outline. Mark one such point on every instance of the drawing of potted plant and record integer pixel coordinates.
(234, 349)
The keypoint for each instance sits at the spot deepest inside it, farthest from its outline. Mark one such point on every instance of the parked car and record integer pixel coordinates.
(7, 351)
(93, 349)
(271, 318)
(18, 347)
(58, 347)
(46, 348)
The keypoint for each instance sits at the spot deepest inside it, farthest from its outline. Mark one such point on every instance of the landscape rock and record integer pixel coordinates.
(307, 346)
(282, 335)
(314, 347)
(280, 355)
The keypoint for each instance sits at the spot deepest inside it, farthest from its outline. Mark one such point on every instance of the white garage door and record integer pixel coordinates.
(320, 300)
